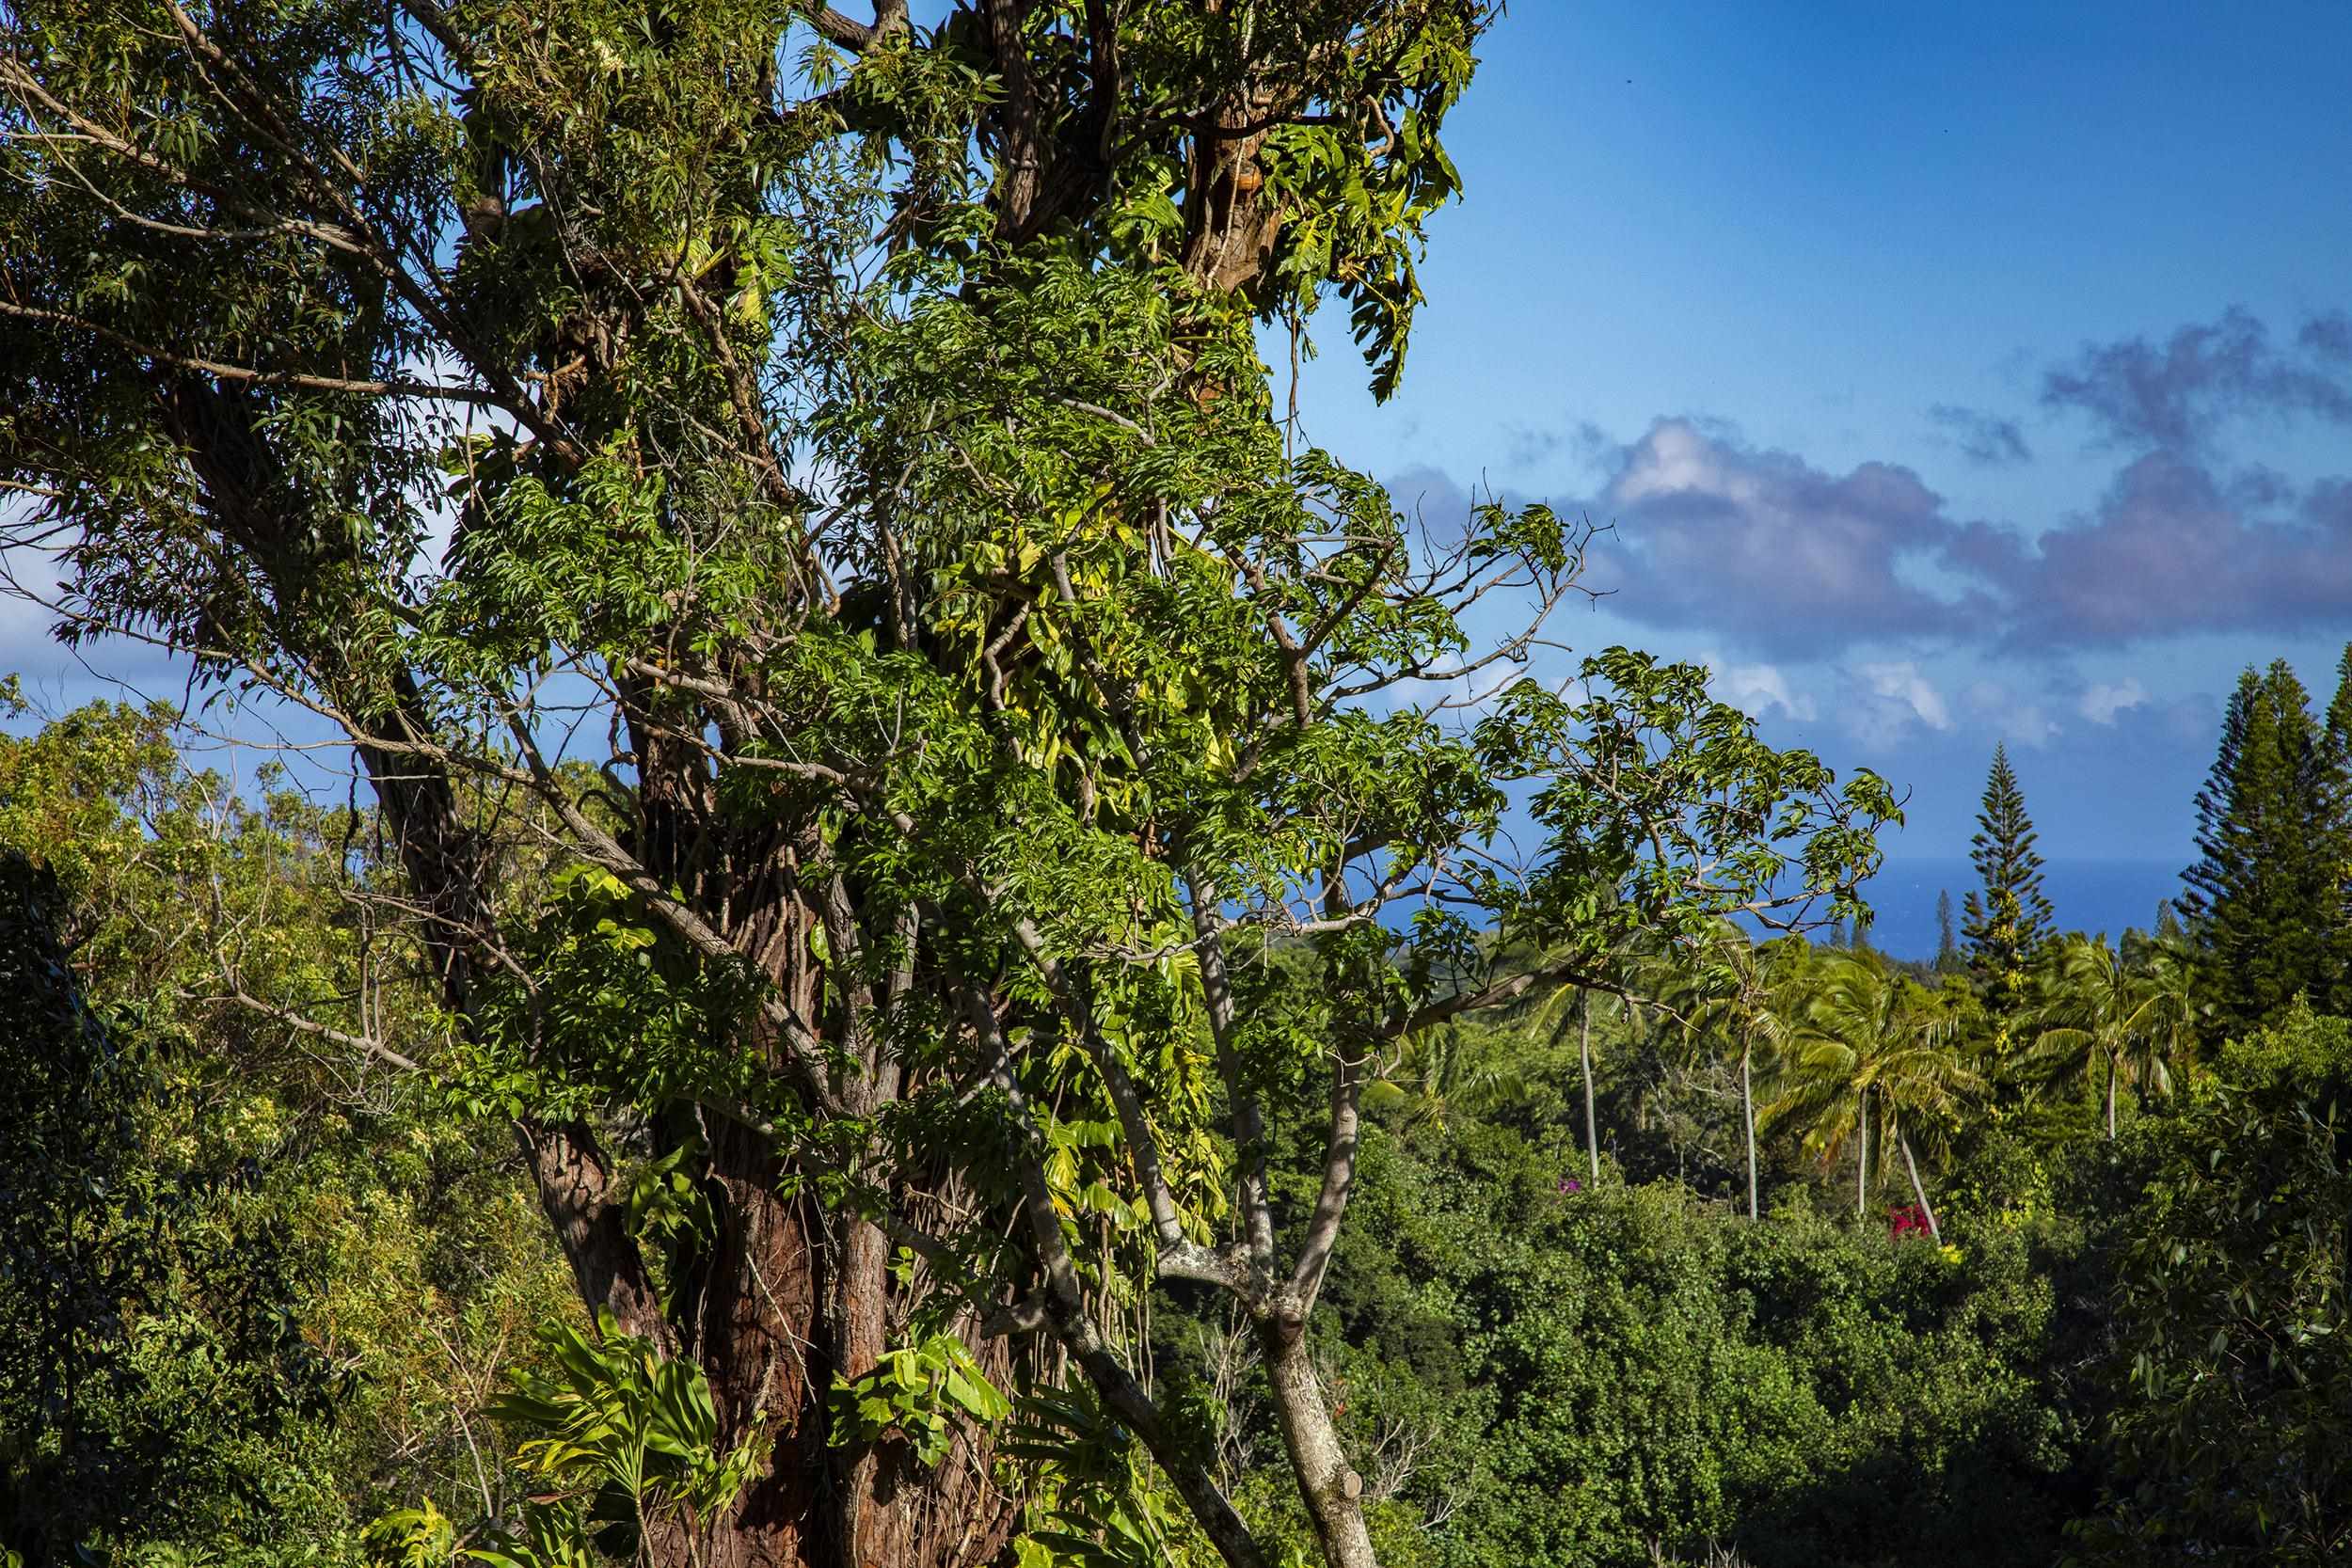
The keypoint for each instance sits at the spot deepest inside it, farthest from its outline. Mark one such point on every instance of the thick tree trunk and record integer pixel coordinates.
(1747, 1114)
(576, 1192)
(796, 1296)
(1332, 1487)
(759, 1335)
(785, 1295)
(1919, 1192)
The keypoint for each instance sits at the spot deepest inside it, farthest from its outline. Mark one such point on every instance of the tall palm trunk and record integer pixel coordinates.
(2110, 1097)
(1584, 1050)
(1747, 1114)
(1919, 1192)
(1862, 1154)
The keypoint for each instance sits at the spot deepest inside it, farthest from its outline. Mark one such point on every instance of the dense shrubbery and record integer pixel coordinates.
(247, 1297)
(2231, 1434)
(251, 1303)
(1577, 1375)
(912, 848)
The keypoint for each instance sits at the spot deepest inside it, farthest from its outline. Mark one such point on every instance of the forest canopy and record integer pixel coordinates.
(940, 943)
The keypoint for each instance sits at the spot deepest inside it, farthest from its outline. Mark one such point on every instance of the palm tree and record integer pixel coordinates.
(1576, 1002)
(1872, 1041)
(2127, 1011)
(1736, 988)
(1443, 1072)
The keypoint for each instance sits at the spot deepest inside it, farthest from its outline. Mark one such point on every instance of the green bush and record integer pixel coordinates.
(2232, 1349)
(1614, 1371)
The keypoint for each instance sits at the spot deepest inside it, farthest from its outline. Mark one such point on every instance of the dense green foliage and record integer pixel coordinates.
(2236, 1313)
(1525, 1365)
(2009, 916)
(944, 945)
(2268, 895)
(251, 1294)
(1640, 1368)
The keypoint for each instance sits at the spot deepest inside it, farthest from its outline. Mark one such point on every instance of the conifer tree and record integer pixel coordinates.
(1947, 959)
(2009, 919)
(2218, 848)
(2264, 882)
(2334, 914)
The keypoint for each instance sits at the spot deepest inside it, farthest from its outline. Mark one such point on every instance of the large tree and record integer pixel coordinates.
(2269, 873)
(855, 667)
(2208, 881)
(2008, 917)
(2334, 913)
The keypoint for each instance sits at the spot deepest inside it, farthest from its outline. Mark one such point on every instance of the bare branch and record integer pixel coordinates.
(247, 373)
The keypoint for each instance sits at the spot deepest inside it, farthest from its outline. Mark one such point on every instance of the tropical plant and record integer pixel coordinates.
(1550, 1022)
(624, 1441)
(1874, 1040)
(1739, 993)
(1098, 1501)
(1442, 1074)
(2125, 1013)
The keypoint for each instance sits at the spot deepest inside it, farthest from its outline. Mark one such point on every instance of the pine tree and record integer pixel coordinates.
(2264, 885)
(2009, 919)
(2217, 837)
(2334, 913)
(1947, 959)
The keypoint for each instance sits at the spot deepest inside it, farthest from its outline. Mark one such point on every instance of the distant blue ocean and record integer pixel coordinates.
(2088, 896)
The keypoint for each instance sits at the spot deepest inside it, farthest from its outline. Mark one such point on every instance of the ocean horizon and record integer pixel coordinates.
(2090, 896)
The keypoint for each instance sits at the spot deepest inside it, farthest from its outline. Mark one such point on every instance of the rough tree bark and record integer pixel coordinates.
(784, 1294)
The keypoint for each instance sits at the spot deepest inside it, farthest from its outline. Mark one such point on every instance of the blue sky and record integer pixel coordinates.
(1950, 375)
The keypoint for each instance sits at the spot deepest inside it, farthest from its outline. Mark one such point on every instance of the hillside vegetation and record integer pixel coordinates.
(887, 924)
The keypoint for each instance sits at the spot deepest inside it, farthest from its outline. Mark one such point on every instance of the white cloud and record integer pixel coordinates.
(2009, 717)
(2104, 700)
(1881, 705)
(1756, 688)
(1771, 553)
(1901, 681)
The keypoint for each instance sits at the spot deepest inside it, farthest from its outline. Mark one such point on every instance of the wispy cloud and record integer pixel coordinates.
(2175, 394)
(1884, 703)
(1984, 439)
(2004, 714)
